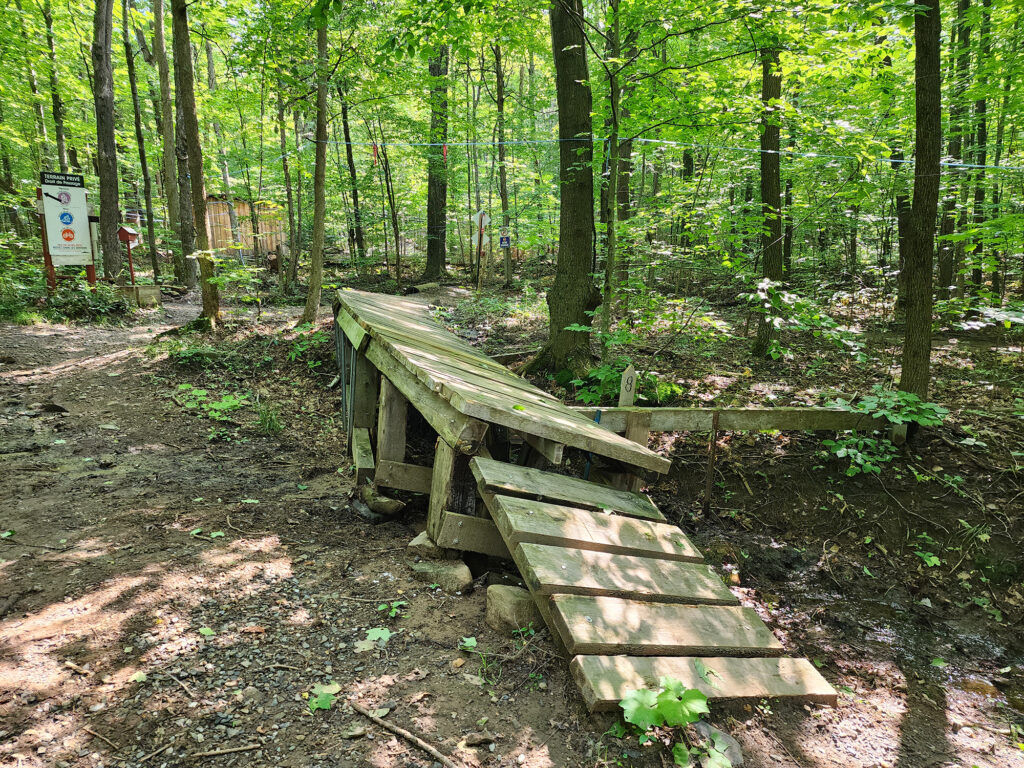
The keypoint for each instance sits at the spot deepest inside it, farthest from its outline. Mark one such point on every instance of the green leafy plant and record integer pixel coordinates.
(896, 406)
(268, 420)
(866, 454)
(673, 706)
(393, 609)
(323, 696)
(376, 639)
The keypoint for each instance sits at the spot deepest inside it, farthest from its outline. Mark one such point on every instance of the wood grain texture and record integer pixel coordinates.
(500, 478)
(405, 477)
(557, 570)
(392, 413)
(472, 534)
(610, 625)
(738, 419)
(362, 454)
(604, 680)
(536, 522)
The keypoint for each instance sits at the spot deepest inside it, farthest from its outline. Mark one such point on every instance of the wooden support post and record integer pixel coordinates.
(549, 449)
(365, 393)
(362, 454)
(405, 477)
(452, 487)
(638, 429)
(710, 476)
(391, 420)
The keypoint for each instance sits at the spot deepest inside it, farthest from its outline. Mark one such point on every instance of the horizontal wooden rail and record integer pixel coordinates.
(737, 419)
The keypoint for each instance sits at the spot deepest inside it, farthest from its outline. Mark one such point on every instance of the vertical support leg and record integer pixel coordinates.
(391, 420)
(364, 393)
(638, 429)
(452, 488)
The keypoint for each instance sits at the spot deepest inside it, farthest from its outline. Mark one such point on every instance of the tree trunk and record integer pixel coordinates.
(186, 223)
(389, 186)
(499, 97)
(140, 140)
(211, 83)
(294, 275)
(293, 252)
(316, 254)
(184, 79)
(106, 143)
(357, 216)
(610, 198)
(437, 170)
(771, 237)
(915, 373)
(40, 145)
(181, 272)
(981, 136)
(58, 103)
(573, 293)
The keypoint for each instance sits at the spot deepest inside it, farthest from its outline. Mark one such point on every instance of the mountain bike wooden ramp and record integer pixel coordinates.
(624, 592)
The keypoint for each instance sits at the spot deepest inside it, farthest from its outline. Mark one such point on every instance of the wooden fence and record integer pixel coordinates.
(271, 225)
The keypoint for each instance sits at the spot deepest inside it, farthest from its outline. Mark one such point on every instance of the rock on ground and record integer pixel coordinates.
(510, 608)
(449, 575)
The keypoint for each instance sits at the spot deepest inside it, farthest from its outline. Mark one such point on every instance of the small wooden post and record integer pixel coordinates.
(710, 477)
(363, 395)
(452, 488)
(391, 420)
(638, 429)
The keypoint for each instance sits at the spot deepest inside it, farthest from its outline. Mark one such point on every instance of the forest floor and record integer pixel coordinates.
(180, 566)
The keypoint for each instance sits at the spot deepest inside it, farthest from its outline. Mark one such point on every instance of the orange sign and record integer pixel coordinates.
(68, 234)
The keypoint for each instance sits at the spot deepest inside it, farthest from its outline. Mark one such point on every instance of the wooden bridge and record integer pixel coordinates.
(624, 592)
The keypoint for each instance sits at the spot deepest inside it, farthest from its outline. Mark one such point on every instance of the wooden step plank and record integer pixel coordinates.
(501, 478)
(605, 680)
(611, 625)
(556, 570)
(537, 522)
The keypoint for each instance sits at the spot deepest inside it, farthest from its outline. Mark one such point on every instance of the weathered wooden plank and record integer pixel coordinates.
(558, 570)
(358, 336)
(405, 477)
(472, 534)
(605, 680)
(557, 424)
(498, 477)
(738, 419)
(365, 392)
(456, 428)
(536, 522)
(391, 420)
(362, 454)
(549, 449)
(441, 484)
(611, 625)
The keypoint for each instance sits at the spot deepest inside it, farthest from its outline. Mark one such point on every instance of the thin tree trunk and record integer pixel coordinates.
(499, 92)
(293, 252)
(294, 276)
(41, 144)
(225, 178)
(184, 79)
(573, 293)
(437, 170)
(392, 202)
(357, 216)
(771, 238)
(915, 373)
(316, 255)
(169, 158)
(611, 194)
(981, 135)
(140, 140)
(106, 143)
(58, 103)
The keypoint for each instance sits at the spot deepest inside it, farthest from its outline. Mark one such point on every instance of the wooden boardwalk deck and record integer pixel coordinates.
(624, 592)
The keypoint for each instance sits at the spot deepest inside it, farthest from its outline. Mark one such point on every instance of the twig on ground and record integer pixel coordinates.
(36, 546)
(184, 687)
(228, 751)
(154, 753)
(101, 737)
(282, 666)
(410, 737)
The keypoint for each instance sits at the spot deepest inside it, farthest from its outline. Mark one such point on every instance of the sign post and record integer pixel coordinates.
(64, 221)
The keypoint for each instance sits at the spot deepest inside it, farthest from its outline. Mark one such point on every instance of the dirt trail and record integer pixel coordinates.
(166, 595)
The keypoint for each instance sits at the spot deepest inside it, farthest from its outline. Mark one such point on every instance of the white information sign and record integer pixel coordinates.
(67, 218)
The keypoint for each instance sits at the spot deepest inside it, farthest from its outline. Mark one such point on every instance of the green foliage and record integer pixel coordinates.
(394, 609)
(897, 406)
(376, 639)
(307, 343)
(210, 406)
(268, 420)
(323, 696)
(866, 454)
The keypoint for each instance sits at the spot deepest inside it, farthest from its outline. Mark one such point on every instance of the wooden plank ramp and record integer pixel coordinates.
(630, 598)
(472, 383)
